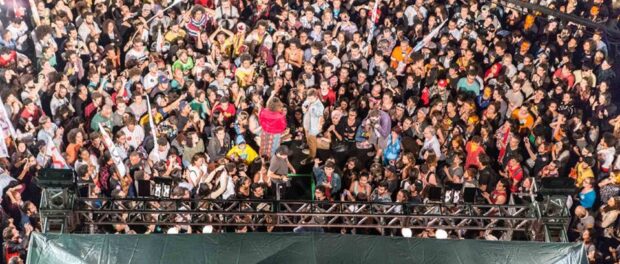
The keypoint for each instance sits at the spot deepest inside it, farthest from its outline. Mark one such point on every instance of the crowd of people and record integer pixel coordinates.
(380, 101)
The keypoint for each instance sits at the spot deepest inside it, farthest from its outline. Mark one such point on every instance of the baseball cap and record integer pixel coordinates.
(239, 140)
(442, 83)
(182, 105)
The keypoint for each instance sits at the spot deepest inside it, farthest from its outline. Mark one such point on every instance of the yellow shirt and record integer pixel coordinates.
(244, 76)
(171, 36)
(583, 174)
(248, 155)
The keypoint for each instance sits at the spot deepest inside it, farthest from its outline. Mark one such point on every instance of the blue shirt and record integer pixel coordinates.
(587, 199)
(313, 116)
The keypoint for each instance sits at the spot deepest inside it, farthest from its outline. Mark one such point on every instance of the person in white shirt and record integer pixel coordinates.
(224, 185)
(607, 152)
(416, 12)
(160, 152)
(134, 134)
(431, 143)
(59, 99)
(88, 28)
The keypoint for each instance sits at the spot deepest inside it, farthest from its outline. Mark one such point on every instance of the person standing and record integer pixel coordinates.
(279, 168)
(273, 122)
(313, 116)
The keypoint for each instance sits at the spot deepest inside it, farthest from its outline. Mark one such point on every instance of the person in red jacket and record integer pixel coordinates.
(273, 122)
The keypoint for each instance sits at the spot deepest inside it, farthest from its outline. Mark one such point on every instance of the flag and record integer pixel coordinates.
(428, 37)
(159, 44)
(4, 151)
(58, 162)
(152, 125)
(373, 19)
(109, 144)
(5, 121)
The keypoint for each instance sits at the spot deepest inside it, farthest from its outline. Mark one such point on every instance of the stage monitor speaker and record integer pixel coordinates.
(557, 186)
(434, 193)
(62, 178)
(469, 195)
(300, 188)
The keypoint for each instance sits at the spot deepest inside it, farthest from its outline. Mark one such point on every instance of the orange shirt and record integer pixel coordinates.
(399, 56)
(72, 152)
(525, 121)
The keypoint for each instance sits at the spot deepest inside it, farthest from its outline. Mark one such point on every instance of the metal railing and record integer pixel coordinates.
(291, 214)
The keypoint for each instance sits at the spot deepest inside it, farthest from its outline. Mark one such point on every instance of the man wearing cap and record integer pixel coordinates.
(242, 152)
(162, 86)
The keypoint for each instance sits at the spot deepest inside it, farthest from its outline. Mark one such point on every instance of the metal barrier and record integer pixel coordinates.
(290, 214)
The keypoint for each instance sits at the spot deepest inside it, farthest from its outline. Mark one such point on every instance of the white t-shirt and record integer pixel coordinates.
(135, 137)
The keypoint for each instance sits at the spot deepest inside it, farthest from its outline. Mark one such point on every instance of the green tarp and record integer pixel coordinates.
(290, 248)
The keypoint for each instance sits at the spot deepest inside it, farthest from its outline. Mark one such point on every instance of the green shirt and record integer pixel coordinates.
(463, 86)
(187, 66)
(98, 118)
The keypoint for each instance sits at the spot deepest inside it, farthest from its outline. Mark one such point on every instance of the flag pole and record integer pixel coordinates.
(152, 125)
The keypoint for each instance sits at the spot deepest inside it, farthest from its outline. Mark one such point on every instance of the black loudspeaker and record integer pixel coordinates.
(469, 195)
(300, 188)
(557, 186)
(62, 178)
(434, 193)
(143, 188)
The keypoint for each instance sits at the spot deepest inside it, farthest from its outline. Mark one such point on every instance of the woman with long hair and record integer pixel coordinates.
(273, 123)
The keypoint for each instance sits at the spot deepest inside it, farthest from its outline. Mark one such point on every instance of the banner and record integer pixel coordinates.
(159, 44)
(152, 125)
(4, 151)
(57, 161)
(427, 38)
(5, 121)
(109, 144)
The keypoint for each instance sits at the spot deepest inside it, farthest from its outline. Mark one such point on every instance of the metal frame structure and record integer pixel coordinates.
(290, 214)
(56, 208)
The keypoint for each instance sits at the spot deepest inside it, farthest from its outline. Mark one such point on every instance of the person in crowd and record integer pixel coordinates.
(228, 100)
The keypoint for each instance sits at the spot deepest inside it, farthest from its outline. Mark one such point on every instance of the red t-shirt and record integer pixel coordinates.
(228, 113)
(473, 152)
(6, 61)
(329, 98)
(516, 174)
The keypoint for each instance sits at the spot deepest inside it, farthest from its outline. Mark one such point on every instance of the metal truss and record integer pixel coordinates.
(291, 214)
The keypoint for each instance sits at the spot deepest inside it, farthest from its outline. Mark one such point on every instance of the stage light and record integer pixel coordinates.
(441, 234)
(406, 232)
